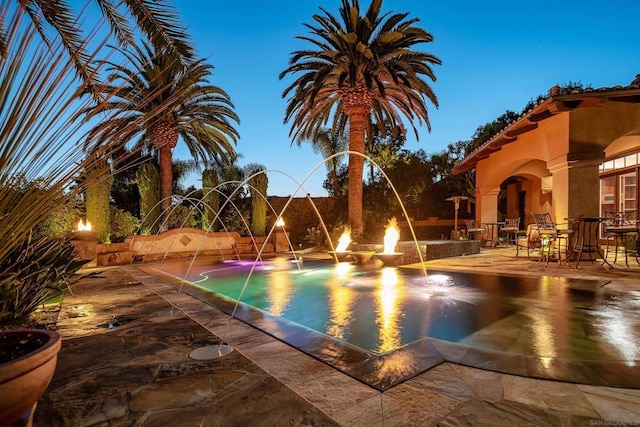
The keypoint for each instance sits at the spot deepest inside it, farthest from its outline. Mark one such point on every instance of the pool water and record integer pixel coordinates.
(382, 309)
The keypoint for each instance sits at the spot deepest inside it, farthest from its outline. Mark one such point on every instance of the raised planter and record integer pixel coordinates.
(24, 379)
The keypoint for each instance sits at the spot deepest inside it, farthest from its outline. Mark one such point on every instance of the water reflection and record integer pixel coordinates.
(388, 298)
(280, 287)
(546, 324)
(341, 298)
(615, 320)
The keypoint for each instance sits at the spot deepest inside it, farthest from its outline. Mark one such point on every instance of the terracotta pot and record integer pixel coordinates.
(24, 380)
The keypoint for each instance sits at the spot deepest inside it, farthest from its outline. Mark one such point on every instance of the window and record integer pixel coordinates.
(627, 199)
(607, 194)
(619, 191)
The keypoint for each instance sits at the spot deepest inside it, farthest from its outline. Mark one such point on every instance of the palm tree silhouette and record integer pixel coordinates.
(156, 100)
(362, 69)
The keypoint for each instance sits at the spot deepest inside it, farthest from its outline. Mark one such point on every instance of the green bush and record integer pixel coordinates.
(60, 222)
(259, 185)
(180, 216)
(99, 209)
(211, 200)
(148, 180)
(123, 224)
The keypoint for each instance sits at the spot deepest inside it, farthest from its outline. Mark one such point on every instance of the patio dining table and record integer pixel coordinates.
(586, 240)
(493, 240)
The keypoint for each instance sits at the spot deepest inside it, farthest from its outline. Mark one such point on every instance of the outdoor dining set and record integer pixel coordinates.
(575, 240)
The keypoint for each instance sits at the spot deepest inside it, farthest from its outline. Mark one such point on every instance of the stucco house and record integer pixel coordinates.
(575, 153)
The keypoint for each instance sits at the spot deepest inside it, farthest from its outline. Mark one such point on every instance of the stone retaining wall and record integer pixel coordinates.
(175, 243)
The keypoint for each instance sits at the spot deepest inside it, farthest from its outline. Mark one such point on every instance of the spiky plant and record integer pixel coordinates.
(41, 157)
(158, 20)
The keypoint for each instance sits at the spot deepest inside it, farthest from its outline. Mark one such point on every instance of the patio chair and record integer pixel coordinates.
(620, 229)
(511, 229)
(530, 241)
(474, 231)
(554, 238)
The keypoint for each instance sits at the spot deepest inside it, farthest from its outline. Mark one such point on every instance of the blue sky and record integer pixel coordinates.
(496, 56)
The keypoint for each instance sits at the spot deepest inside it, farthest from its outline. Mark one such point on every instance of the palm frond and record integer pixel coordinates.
(40, 142)
(159, 20)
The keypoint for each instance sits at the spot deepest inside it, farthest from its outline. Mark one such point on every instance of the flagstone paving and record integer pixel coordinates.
(127, 337)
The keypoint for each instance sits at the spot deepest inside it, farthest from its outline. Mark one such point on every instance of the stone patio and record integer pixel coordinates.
(124, 361)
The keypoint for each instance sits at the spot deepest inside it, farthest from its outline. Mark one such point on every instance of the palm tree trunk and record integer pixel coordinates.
(166, 176)
(356, 168)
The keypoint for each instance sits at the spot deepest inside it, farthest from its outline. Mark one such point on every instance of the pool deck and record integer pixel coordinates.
(127, 336)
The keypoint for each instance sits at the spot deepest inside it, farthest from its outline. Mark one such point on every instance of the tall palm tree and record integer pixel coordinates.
(156, 19)
(327, 143)
(165, 100)
(363, 68)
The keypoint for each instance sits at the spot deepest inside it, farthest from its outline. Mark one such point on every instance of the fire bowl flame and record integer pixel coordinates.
(389, 259)
(362, 257)
(340, 256)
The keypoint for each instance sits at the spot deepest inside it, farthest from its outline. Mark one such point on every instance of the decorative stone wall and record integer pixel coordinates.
(181, 240)
(179, 243)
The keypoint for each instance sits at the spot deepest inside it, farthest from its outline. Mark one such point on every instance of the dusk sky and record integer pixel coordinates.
(496, 56)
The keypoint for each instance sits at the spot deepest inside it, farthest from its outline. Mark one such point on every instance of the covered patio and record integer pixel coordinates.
(553, 158)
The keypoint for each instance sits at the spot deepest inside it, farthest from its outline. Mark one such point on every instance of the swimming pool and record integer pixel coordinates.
(384, 325)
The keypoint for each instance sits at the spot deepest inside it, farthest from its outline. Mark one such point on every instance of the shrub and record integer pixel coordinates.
(179, 216)
(211, 200)
(98, 208)
(123, 224)
(148, 180)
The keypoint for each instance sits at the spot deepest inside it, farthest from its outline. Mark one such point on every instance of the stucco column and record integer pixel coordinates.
(576, 187)
(576, 192)
(487, 207)
(487, 204)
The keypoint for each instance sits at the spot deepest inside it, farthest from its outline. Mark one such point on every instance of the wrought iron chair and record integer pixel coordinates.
(473, 230)
(554, 238)
(511, 229)
(530, 241)
(620, 229)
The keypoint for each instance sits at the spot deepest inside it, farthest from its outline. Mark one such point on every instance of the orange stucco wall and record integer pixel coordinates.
(569, 147)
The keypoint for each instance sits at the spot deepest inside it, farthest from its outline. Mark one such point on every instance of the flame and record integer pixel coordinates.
(344, 241)
(82, 226)
(391, 236)
(280, 222)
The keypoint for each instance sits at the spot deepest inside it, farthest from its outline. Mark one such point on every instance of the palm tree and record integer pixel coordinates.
(165, 100)
(363, 68)
(327, 144)
(157, 19)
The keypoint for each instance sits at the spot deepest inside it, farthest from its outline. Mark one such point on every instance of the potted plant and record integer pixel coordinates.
(27, 362)
(30, 274)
